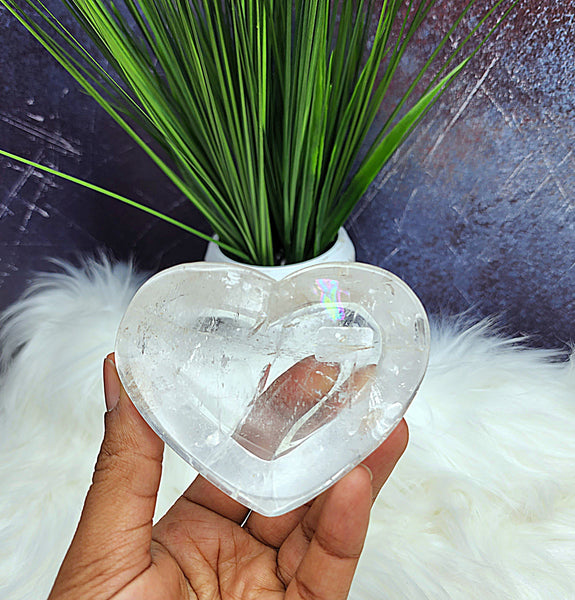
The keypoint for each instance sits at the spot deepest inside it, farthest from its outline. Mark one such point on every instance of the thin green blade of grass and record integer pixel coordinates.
(262, 106)
(366, 119)
(347, 139)
(385, 149)
(128, 201)
(380, 93)
(54, 49)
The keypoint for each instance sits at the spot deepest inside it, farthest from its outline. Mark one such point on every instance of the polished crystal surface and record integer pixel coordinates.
(273, 390)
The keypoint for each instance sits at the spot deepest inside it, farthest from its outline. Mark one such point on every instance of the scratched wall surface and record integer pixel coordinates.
(476, 211)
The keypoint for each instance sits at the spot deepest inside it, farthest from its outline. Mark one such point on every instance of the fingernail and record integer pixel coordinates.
(112, 385)
(368, 470)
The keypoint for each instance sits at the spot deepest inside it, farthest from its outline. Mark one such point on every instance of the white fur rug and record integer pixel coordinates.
(481, 506)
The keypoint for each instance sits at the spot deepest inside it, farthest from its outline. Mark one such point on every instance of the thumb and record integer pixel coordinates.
(127, 474)
(114, 534)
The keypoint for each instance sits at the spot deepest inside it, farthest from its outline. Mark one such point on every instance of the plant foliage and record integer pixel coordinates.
(261, 107)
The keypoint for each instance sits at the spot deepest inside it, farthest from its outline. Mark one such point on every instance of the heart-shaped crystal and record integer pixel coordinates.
(273, 390)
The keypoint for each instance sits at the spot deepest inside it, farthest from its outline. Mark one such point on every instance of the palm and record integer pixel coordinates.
(227, 563)
(204, 552)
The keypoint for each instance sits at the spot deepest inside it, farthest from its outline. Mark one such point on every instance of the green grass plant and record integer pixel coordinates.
(258, 110)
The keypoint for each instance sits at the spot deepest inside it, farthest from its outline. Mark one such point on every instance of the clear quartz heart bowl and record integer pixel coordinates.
(273, 390)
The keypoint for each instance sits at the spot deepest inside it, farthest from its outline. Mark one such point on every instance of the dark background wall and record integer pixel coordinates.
(476, 211)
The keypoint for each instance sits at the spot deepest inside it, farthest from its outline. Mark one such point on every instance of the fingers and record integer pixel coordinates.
(382, 461)
(336, 540)
(348, 393)
(286, 400)
(274, 531)
(114, 534)
(296, 542)
(129, 466)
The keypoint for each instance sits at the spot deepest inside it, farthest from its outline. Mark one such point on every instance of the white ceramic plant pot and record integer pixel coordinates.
(342, 251)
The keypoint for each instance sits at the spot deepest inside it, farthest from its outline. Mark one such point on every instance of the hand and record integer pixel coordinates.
(199, 549)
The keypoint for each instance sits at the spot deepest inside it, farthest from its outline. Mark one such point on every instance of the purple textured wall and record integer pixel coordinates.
(476, 211)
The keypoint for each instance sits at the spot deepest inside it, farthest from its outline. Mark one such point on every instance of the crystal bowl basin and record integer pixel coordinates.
(273, 390)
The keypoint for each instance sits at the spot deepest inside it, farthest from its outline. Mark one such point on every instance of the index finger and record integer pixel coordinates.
(328, 566)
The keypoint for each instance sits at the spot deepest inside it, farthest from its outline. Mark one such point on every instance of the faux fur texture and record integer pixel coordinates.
(481, 506)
